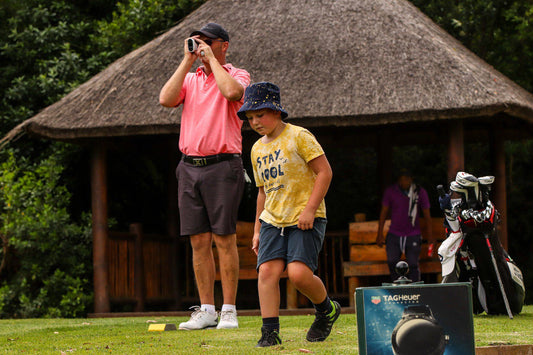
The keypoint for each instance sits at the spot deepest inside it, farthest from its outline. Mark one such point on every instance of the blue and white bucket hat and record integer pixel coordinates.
(259, 96)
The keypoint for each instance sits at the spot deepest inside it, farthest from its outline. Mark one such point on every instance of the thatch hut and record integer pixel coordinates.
(375, 71)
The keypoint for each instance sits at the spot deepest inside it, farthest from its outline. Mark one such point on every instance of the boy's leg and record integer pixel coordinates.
(327, 311)
(268, 287)
(302, 258)
(306, 281)
(269, 300)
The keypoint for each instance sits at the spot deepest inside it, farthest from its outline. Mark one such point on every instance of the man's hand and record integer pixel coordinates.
(204, 51)
(189, 56)
(380, 239)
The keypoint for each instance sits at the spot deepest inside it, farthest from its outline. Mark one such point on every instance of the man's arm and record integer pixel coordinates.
(380, 238)
(324, 174)
(170, 93)
(228, 86)
(259, 209)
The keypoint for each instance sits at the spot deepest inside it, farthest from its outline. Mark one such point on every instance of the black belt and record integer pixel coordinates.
(208, 160)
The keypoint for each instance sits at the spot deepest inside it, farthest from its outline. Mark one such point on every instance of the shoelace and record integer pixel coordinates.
(269, 337)
(197, 312)
(227, 315)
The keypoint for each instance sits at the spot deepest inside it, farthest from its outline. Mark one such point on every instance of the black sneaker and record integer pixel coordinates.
(268, 338)
(321, 327)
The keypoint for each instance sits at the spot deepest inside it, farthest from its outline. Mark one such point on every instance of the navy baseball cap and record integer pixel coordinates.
(213, 30)
(259, 96)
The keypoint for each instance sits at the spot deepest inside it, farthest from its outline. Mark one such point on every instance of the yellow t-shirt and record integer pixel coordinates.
(281, 168)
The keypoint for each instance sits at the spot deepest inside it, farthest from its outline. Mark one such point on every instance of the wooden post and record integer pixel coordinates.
(138, 273)
(497, 152)
(99, 225)
(456, 149)
(384, 157)
(172, 219)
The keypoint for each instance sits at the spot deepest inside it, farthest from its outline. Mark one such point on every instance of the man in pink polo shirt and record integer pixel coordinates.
(210, 174)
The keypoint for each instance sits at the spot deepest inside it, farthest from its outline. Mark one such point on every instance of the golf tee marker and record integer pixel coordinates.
(161, 327)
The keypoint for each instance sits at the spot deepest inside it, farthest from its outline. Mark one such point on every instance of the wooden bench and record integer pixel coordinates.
(368, 259)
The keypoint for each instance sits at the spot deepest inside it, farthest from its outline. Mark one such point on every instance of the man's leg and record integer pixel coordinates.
(228, 256)
(412, 255)
(204, 272)
(394, 253)
(204, 266)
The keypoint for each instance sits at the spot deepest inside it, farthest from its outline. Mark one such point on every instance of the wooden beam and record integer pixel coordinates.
(456, 149)
(497, 152)
(99, 225)
(172, 218)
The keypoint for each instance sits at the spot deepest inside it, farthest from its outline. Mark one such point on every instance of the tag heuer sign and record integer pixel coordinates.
(415, 319)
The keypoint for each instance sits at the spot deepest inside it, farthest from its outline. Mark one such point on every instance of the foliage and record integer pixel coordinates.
(48, 48)
(500, 32)
(50, 273)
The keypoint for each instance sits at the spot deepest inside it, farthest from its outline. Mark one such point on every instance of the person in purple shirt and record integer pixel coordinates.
(404, 201)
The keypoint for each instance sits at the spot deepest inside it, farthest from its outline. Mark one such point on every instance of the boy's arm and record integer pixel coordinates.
(322, 169)
(257, 227)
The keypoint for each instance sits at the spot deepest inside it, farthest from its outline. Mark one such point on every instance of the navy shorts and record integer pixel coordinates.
(294, 245)
(209, 196)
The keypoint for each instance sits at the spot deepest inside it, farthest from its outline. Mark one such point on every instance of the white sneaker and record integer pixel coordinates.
(199, 320)
(228, 320)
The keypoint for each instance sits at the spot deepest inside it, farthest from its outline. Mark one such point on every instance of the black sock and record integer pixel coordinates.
(271, 324)
(324, 306)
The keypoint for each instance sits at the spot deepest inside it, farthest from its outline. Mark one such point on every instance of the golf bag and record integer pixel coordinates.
(472, 251)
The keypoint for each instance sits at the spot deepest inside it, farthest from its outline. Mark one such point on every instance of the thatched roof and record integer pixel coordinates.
(338, 63)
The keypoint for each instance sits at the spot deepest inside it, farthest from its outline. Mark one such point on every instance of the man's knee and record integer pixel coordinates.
(225, 242)
(201, 242)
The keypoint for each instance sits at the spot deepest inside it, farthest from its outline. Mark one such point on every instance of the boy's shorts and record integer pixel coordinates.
(294, 245)
(209, 196)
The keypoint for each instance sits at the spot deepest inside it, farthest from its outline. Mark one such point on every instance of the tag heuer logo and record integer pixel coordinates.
(376, 299)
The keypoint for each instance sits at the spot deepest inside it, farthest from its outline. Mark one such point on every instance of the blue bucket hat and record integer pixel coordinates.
(259, 96)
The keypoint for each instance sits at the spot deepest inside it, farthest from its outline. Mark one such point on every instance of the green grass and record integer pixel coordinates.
(131, 336)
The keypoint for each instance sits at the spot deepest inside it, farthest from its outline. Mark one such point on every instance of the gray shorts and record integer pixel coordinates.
(294, 245)
(209, 196)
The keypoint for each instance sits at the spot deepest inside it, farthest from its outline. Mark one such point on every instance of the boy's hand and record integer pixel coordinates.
(255, 243)
(306, 220)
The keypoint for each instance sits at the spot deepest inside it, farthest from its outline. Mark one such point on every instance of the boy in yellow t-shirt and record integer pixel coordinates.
(293, 176)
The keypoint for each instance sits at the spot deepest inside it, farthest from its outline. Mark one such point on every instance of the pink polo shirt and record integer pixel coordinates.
(209, 122)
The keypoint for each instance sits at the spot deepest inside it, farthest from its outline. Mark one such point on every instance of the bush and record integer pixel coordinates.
(48, 269)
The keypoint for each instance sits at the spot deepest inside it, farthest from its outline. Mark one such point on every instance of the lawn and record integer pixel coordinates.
(131, 336)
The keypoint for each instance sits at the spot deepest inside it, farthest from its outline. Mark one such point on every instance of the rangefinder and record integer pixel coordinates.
(191, 45)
